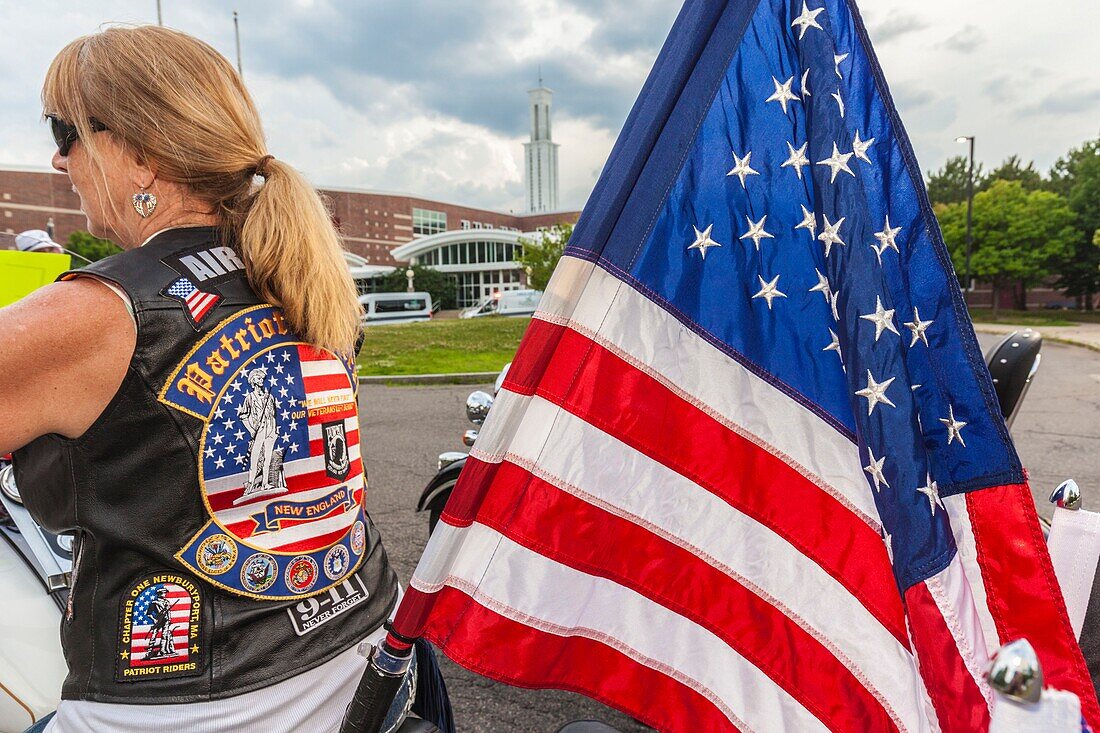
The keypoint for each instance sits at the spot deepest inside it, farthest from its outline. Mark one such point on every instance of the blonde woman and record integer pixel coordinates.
(123, 389)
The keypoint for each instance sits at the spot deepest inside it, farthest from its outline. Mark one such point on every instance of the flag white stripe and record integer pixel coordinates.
(235, 481)
(950, 589)
(322, 368)
(625, 482)
(600, 306)
(967, 557)
(330, 397)
(611, 614)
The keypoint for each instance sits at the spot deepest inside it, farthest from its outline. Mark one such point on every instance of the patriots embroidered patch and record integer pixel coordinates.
(279, 462)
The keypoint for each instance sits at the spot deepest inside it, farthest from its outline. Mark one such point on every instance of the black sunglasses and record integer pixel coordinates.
(65, 134)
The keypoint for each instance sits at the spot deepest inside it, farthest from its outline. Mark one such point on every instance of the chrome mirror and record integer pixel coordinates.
(477, 407)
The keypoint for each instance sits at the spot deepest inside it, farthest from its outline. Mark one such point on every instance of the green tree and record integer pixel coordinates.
(1077, 177)
(1019, 235)
(1012, 170)
(540, 255)
(443, 287)
(90, 247)
(948, 184)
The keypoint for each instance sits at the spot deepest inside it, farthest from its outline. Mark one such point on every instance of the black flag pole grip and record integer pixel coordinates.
(387, 664)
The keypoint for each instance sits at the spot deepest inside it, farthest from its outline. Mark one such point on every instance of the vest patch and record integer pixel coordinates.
(161, 629)
(202, 268)
(279, 459)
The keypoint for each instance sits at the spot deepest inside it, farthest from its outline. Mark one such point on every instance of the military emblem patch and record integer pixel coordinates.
(301, 574)
(358, 538)
(337, 562)
(279, 459)
(160, 633)
(217, 554)
(260, 571)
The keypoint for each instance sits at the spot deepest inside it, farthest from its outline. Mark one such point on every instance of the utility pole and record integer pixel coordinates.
(969, 216)
(160, 20)
(237, 33)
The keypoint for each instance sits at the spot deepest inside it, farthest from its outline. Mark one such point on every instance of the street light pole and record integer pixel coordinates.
(969, 216)
(160, 21)
(237, 33)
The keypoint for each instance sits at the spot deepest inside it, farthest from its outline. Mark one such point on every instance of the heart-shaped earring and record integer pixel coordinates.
(144, 203)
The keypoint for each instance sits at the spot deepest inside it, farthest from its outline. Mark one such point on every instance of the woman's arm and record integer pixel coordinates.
(64, 351)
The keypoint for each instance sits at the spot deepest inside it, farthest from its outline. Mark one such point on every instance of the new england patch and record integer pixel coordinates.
(161, 629)
(279, 462)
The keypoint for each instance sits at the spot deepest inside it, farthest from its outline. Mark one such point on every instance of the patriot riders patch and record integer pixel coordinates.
(279, 465)
(160, 631)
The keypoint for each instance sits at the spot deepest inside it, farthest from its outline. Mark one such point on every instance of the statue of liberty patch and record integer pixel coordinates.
(279, 462)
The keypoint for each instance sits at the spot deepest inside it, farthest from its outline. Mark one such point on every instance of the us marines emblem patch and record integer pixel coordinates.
(279, 462)
(160, 633)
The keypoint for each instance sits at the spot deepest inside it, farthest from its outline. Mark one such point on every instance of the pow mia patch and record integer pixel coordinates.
(161, 629)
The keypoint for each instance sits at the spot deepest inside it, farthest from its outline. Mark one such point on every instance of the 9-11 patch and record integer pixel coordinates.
(161, 629)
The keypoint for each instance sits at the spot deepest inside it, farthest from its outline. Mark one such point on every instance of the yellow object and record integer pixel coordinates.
(24, 272)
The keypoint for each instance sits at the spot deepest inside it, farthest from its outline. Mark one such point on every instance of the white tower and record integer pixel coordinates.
(541, 173)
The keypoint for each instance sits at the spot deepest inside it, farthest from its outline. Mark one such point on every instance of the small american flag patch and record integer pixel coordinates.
(197, 303)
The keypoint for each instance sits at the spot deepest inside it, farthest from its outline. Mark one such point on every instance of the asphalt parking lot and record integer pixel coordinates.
(405, 428)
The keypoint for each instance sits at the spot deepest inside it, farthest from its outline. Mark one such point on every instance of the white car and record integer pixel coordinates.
(379, 308)
(507, 303)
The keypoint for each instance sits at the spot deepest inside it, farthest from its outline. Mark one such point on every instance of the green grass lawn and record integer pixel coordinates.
(443, 346)
(451, 346)
(1036, 317)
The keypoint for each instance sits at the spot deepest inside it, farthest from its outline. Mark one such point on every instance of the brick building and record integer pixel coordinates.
(373, 224)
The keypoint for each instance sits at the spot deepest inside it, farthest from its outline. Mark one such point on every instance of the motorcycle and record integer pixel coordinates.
(1013, 364)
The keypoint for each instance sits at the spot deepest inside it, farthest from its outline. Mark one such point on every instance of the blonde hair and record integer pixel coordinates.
(180, 105)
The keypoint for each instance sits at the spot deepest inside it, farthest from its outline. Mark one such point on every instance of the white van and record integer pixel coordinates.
(381, 308)
(506, 303)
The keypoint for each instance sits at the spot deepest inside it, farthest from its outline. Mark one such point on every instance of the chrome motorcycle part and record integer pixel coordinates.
(1067, 495)
(468, 438)
(477, 406)
(7, 484)
(1015, 672)
(449, 457)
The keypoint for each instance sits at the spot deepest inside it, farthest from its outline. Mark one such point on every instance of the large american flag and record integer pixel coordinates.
(747, 470)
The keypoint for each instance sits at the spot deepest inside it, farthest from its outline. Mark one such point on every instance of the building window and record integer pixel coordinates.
(478, 225)
(465, 223)
(427, 222)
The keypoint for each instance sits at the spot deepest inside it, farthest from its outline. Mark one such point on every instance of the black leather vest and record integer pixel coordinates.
(221, 540)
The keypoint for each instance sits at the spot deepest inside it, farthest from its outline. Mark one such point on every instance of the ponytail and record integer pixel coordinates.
(293, 258)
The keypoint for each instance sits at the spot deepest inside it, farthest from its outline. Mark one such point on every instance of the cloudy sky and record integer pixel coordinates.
(428, 96)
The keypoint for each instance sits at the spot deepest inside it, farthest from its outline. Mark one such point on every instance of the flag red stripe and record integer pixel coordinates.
(343, 411)
(492, 645)
(594, 384)
(576, 533)
(955, 696)
(296, 483)
(1022, 592)
(327, 382)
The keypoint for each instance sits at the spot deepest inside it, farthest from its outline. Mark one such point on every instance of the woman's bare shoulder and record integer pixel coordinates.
(67, 348)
